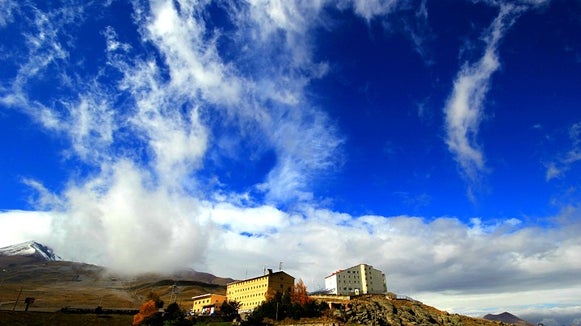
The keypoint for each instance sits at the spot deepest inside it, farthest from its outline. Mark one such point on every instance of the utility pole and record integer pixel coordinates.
(17, 298)
(174, 293)
(2, 282)
(3, 276)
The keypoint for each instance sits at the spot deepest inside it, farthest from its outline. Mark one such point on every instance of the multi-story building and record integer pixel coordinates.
(207, 304)
(254, 291)
(356, 280)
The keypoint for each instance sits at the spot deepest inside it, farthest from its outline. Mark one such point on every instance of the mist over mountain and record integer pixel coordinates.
(33, 252)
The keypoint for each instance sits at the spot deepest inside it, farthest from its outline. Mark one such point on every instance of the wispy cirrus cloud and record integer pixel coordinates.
(162, 116)
(420, 32)
(86, 119)
(143, 126)
(6, 7)
(465, 105)
(372, 8)
(559, 167)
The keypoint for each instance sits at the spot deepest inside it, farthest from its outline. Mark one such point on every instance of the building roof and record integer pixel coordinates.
(207, 295)
(341, 270)
(334, 273)
(265, 275)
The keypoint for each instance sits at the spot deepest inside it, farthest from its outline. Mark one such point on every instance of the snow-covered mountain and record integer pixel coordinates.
(30, 249)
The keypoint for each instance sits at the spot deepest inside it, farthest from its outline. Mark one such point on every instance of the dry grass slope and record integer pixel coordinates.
(35, 318)
(58, 284)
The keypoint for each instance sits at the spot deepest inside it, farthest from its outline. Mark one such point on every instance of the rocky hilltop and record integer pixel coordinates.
(380, 310)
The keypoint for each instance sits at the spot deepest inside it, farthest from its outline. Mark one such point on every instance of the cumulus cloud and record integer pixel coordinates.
(24, 226)
(120, 219)
(459, 267)
(481, 257)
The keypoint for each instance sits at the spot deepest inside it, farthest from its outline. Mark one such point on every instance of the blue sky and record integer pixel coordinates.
(422, 137)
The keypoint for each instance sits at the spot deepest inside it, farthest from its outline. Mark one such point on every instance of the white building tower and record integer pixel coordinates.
(356, 280)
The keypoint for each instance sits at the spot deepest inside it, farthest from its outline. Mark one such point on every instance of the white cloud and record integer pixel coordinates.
(443, 262)
(464, 108)
(6, 9)
(120, 219)
(458, 258)
(255, 220)
(524, 304)
(193, 60)
(369, 9)
(19, 226)
(471, 269)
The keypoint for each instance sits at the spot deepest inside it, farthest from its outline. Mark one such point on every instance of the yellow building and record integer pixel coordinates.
(252, 292)
(207, 304)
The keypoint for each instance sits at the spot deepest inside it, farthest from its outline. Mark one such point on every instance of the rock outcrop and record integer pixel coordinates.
(381, 311)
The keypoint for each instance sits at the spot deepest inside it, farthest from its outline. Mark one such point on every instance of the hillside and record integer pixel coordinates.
(58, 284)
(26, 252)
(380, 310)
(508, 318)
(33, 270)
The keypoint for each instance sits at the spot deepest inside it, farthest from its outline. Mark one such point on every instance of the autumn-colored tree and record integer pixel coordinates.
(270, 294)
(293, 303)
(156, 298)
(299, 293)
(147, 309)
(230, 308)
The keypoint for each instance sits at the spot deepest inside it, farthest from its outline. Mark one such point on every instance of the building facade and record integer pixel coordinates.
(207, 304)
(253, 292)
(356, 280)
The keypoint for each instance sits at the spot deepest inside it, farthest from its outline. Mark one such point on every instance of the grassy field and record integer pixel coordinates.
(36, 318)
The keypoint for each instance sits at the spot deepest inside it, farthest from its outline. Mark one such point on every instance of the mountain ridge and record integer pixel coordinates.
(507, 317)
(31, 249)
(35, 252)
